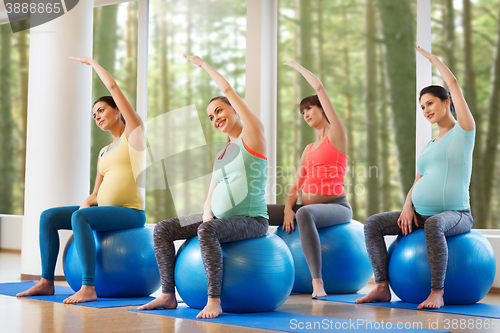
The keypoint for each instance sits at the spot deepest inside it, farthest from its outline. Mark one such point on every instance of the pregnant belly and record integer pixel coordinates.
(427, 195)
(116, 193)
(227, 196)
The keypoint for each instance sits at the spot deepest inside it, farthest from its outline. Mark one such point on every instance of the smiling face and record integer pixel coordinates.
(221, 115)
(433, 108)
(105, 116)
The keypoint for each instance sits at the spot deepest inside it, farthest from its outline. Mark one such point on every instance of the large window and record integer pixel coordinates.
(115, 49)
(14, 57)
(362, 50)
(465, 37)
(215, 31)
(341, 42)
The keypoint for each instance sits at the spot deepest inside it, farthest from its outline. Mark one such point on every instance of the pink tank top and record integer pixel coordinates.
(325, 170)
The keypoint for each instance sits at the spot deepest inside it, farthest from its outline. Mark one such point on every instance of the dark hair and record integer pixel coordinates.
(311, 100)
(111, 102)
(439, 92)
(222, 98)
(308, 101)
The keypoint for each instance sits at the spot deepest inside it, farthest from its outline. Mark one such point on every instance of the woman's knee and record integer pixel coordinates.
(47, 217)
(78, 219)
(161, 229)
(372, 223)
(158, 230)
(377, 224)
(348, 214)
(304, 215)
(206, 228)
(433, 226)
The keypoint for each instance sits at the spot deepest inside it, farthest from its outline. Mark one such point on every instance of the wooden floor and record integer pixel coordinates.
(32, 316)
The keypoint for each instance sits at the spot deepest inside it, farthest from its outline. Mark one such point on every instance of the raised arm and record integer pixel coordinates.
(337, 133)
(464, 115)
(253, 129)
(132, 119)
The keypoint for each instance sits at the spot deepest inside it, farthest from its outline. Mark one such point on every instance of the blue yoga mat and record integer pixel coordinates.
(287, 321)
(61, 293)
(477, 309)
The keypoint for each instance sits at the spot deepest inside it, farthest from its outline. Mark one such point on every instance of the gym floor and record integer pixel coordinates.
(26, 315)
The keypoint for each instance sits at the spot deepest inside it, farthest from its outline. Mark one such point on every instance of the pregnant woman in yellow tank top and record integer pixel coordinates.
(117, 201)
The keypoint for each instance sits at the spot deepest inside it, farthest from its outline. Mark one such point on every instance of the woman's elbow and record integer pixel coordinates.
(319, 88)
(112, 86)
(226, 89)
(453, 83)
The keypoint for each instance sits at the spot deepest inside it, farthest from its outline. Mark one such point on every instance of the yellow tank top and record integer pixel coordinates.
(119, 186)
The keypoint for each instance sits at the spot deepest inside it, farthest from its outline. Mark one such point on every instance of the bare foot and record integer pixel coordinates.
(318, 289)
(434, 301)
(211, 310)
(43, 287)
(381, 293)
(85, 294)
(164, 301)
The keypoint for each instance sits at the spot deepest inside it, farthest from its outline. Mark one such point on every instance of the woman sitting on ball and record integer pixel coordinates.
(321, 171)
(235, 197)
(116, 203)
(440, 193)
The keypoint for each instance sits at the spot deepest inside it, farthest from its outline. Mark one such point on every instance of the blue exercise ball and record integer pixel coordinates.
(257, 274)
(346, 267)
(126, 263)
(469, 274)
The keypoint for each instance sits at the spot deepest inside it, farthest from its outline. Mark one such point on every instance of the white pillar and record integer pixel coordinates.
(261, 75)
(142, 59)
(424, 70)
(142, 67)
(58, 134)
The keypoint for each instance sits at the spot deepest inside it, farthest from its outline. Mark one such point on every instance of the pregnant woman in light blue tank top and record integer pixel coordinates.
(445, 166)
(439, 195)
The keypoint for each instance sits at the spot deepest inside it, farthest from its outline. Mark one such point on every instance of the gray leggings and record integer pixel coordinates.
(436, 227)
(310, 218)
(210, 234)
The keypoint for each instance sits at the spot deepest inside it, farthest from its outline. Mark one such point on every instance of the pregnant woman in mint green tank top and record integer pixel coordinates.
(235, 208)
(440, 193)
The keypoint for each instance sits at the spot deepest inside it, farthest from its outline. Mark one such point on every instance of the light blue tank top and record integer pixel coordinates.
(445, 166)
(241, 180)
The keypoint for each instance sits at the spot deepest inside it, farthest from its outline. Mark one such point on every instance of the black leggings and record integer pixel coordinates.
(210, 234)
(309, 219)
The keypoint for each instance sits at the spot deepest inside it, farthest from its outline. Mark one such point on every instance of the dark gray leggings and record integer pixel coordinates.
(210, 234)
(310, 218)
(437, 228)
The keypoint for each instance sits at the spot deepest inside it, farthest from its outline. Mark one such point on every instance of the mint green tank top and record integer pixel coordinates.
(241, 180)
(446, 167)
